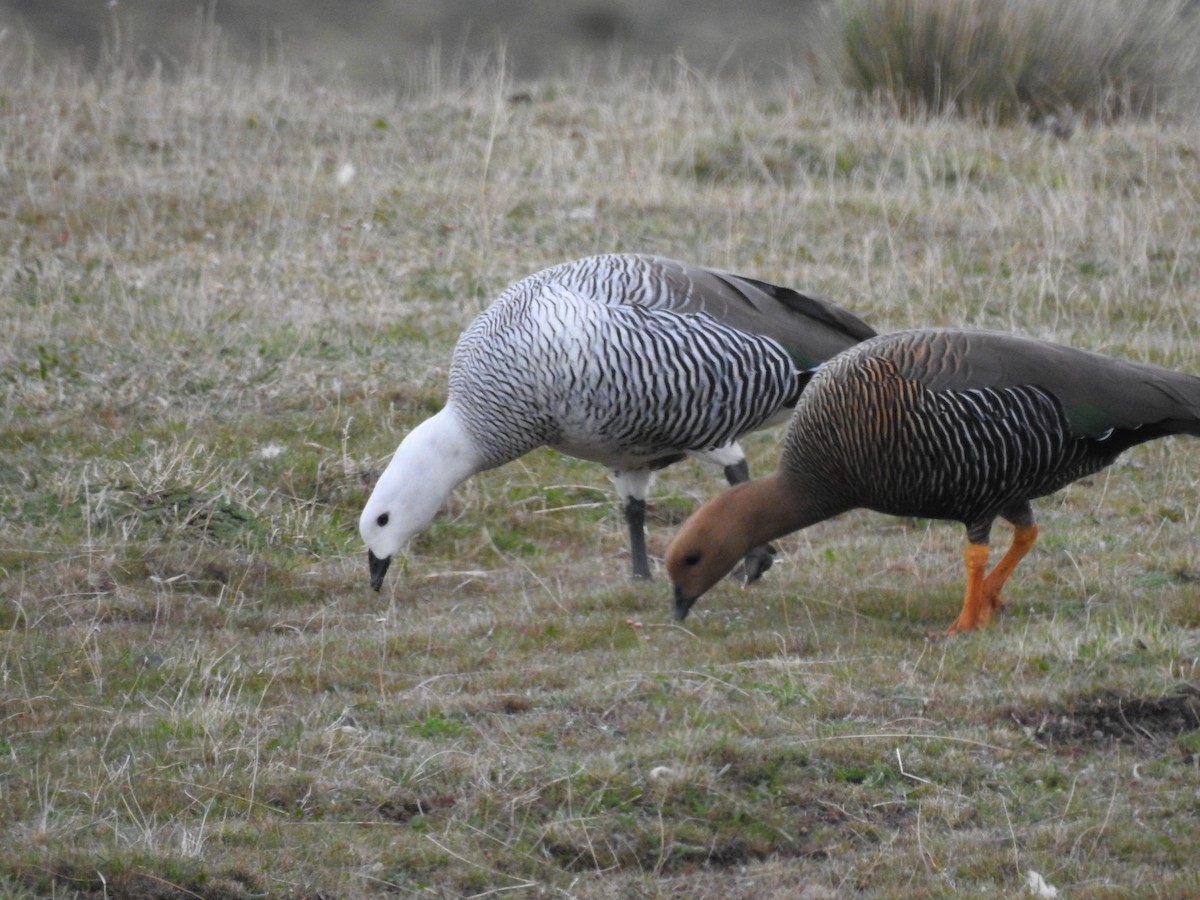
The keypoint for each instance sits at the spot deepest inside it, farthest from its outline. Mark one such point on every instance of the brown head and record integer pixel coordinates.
(722, 531)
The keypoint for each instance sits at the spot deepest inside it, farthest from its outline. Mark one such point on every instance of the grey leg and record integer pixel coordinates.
(635, 518)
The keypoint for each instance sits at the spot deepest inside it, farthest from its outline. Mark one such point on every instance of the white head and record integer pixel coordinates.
(430, 462)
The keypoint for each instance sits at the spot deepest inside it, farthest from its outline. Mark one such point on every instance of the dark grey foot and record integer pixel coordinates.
(757, 561)
(738, 472)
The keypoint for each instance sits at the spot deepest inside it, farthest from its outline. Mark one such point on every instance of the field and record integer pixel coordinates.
(226, 297)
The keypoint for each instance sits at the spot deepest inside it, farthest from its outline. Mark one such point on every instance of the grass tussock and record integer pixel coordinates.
(228, 294)
(1027, 59)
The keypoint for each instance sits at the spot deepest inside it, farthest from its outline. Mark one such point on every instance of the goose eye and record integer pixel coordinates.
(382, 520)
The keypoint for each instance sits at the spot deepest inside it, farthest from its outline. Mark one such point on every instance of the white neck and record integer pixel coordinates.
(430, 462)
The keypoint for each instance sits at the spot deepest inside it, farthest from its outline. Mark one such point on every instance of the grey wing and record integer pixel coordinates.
(1097, 392)
(809, 327)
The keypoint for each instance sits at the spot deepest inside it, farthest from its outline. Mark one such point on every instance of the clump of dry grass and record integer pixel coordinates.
(228, 296)
(1005, 61)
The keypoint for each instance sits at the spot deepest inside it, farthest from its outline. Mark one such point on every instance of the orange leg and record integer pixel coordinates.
(976, 610)
(1022, 539)
(983, 594)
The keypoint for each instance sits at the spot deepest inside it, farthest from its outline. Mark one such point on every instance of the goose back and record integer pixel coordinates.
(970, 425)
(809, 327)
(1096, 392)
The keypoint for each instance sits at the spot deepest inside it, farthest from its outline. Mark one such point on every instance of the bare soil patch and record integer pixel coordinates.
(1147, 724)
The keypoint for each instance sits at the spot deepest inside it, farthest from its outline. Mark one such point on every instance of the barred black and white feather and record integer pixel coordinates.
(968, 426)
(624, 386)
(629, 361)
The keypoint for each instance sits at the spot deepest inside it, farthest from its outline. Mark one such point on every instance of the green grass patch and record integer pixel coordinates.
(213, 343)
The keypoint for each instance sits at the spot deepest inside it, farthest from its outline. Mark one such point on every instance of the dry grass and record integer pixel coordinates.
(228, 297)
(1102, 59)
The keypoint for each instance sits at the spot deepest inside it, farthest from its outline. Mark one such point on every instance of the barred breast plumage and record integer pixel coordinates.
(626, 360)
(959, 425)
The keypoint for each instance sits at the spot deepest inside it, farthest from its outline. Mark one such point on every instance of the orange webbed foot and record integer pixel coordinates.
(969, 622)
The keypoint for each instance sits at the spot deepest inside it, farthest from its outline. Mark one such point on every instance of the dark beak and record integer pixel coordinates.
(379, 568)
(683, 604)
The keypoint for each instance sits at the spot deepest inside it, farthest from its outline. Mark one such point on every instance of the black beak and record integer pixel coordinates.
(379, 568)
(683, 604)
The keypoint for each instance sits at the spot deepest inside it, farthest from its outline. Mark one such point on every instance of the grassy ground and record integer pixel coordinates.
(227, 298)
